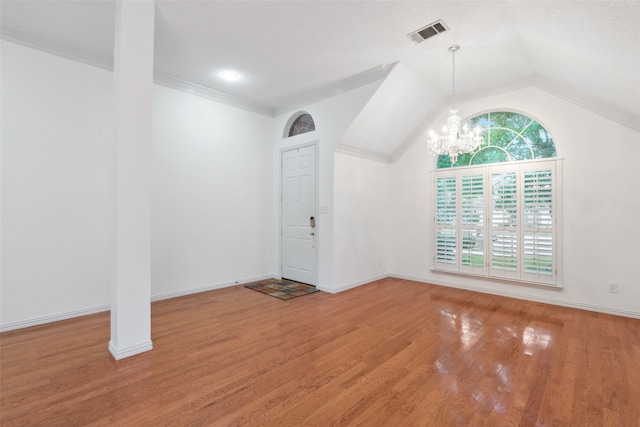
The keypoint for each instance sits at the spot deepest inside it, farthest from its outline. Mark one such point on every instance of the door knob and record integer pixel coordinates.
(312, 233)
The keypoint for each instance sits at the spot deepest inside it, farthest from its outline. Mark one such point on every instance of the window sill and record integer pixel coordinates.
(498, 279)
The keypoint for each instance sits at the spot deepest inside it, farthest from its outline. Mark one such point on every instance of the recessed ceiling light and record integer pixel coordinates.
(230, 75)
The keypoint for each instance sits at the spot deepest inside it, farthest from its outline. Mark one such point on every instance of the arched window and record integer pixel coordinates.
(302, 123)
(497, 210)
(508, 137)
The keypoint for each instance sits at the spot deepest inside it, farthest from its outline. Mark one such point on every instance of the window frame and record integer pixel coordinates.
(291, 130)
(488, 270)
(488, 124)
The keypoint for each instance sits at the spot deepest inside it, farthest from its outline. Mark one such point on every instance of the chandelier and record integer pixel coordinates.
(454, 140)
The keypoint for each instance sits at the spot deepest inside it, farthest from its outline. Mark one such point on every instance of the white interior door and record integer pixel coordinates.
(299, 214)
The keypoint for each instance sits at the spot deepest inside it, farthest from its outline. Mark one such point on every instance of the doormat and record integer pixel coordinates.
(283, 289)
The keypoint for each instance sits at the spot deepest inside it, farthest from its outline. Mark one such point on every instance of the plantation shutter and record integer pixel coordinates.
(472, 210)
(498, 221)
(538, 225)
(504, 224)
(445, 221)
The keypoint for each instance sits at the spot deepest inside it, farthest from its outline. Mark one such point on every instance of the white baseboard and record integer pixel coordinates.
(352, 285)
(20, 324)
(53, 318)
(184, 292)
(552, 301)
(129, 351)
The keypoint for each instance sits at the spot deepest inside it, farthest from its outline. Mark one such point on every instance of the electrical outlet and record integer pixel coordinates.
(613, 288)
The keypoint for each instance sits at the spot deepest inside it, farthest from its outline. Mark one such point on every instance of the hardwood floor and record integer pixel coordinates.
(390, 353)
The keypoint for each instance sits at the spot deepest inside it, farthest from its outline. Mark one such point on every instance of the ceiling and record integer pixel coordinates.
(286, 51)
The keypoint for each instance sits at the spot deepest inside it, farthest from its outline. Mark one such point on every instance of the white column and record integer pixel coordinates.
(132, 86)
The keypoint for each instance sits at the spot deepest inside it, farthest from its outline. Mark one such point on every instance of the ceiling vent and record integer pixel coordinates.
(430, 30)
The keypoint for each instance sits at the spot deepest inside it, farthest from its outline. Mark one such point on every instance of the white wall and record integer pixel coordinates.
(211, 203)
(212, 190)
(387, 120)
(601, 205)
(216, 191)
(56, 184)
(361, 203)
(332, 116)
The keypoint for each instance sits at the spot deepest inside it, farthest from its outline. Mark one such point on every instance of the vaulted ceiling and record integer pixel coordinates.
(288, 51)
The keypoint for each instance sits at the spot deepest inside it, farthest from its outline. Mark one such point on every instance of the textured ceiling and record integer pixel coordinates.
(288, 50)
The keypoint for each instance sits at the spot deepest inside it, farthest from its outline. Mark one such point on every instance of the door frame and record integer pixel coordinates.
(282, 150)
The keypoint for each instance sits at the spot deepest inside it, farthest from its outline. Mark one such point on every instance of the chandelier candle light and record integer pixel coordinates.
(454, 140)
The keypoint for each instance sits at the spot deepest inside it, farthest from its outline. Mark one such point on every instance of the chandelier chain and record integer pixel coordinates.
(453, 79)
(454, 139)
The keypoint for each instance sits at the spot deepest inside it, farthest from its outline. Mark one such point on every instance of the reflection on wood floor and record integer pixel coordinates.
(390, 353)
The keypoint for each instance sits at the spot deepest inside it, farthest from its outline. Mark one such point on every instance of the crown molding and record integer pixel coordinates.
(359, 152)
(341, 86)
(176, 83)
(588, 102)
(566, 92)
(167, 80)
(550, 86)
(106, 63)
(48, 46)
(575, 96)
